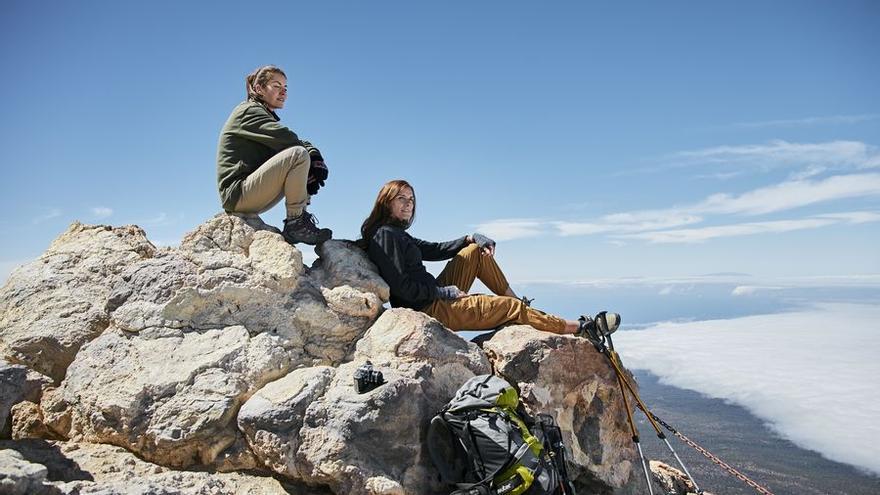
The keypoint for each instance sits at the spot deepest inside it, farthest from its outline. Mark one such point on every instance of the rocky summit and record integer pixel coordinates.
(225, 365)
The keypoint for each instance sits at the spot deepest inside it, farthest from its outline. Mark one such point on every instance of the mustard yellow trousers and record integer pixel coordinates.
(482, 311)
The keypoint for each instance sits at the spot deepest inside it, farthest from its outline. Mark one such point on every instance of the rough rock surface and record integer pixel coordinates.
(672, 480)
(17, 384)
(312, 424)
(82, 468)
(227, 354)
(27, 422)
(51, 307)
(193, 333)
(564, 376)
(18, 476)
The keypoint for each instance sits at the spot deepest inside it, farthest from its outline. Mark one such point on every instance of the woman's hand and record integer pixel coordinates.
(487, 246)
(451, 292)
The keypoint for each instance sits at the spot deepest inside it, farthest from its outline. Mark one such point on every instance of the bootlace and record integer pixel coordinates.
(310, 218)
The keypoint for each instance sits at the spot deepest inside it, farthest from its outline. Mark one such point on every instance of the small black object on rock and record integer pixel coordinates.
(366, 378)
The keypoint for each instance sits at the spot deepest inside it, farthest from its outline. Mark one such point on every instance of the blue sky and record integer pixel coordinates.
(594, 140)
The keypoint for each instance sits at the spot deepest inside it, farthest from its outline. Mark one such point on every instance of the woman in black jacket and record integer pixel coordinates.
(399, 257)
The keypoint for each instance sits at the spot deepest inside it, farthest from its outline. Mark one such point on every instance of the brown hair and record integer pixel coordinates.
(381, 214)
(260, 77)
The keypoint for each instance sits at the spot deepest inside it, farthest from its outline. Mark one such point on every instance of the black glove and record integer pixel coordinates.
(482, 241)
(317, 175)
(448, 293)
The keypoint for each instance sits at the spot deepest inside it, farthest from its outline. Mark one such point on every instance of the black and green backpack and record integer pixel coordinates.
(484, 443)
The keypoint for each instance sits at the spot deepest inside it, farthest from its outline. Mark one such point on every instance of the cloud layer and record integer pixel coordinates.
(810, 375)
(830, 172)
(779, 153)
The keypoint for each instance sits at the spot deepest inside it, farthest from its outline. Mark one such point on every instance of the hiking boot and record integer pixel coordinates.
(595, 329)
(587, 330)
(607, 323)
(304, 229)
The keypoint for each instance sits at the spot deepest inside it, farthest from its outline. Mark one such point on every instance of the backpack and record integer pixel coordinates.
(485, 443)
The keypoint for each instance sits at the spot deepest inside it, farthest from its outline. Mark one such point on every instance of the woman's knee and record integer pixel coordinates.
(293, 154)
(470, 252)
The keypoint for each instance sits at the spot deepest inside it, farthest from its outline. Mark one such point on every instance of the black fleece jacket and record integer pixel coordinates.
(399, 257)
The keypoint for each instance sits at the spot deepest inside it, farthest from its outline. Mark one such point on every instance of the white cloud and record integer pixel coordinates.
(799, 376)
(808, 121)
(656, 225)
(749, 290)
(629, 222)
(50, 214)
(508, 229)
(807, 173)
(159, 219)
(705, 233)
(702, 234)
(663, 225)
(792, 194)
(783, 153)
(102, 211)
(870, 281)
(854, 216)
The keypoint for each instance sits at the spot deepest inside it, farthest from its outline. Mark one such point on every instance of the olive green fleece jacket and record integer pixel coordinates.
(251, 135)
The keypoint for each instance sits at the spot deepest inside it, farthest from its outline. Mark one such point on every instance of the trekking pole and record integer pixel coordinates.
(634, 430)
(599, 344)
(612, 356)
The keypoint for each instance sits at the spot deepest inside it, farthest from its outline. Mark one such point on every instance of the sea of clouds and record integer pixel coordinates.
(812, 375)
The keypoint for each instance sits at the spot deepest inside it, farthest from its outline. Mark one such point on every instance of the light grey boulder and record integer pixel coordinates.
(19, 476)
(83, 468)
(224, 273)
(272, 419)
(52, 306)
(195, 331)
(565, 377)
(673, 481)
(341, 262)
(17, 384)
(314, 427)
(168, 395)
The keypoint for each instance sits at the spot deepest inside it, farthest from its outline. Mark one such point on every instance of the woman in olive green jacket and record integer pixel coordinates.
(260, 161)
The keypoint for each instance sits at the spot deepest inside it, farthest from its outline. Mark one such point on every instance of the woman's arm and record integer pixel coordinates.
(439, 251)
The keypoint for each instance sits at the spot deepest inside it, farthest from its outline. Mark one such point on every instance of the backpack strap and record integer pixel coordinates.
(442, 449)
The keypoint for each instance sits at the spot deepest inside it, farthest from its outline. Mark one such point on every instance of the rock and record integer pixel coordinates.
(313, 426)
(228, 354)
(55, 412)
(27, 422)
(17, 383)
(565, 377)
(75, 468)
(20, 477)
(343, 263)
(672, 480)
(272, 418)
(195, 331)
(168, 395)
(50, 307)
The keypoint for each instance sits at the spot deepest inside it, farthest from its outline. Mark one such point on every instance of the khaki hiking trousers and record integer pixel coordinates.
(482, 311)
(282, 176)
